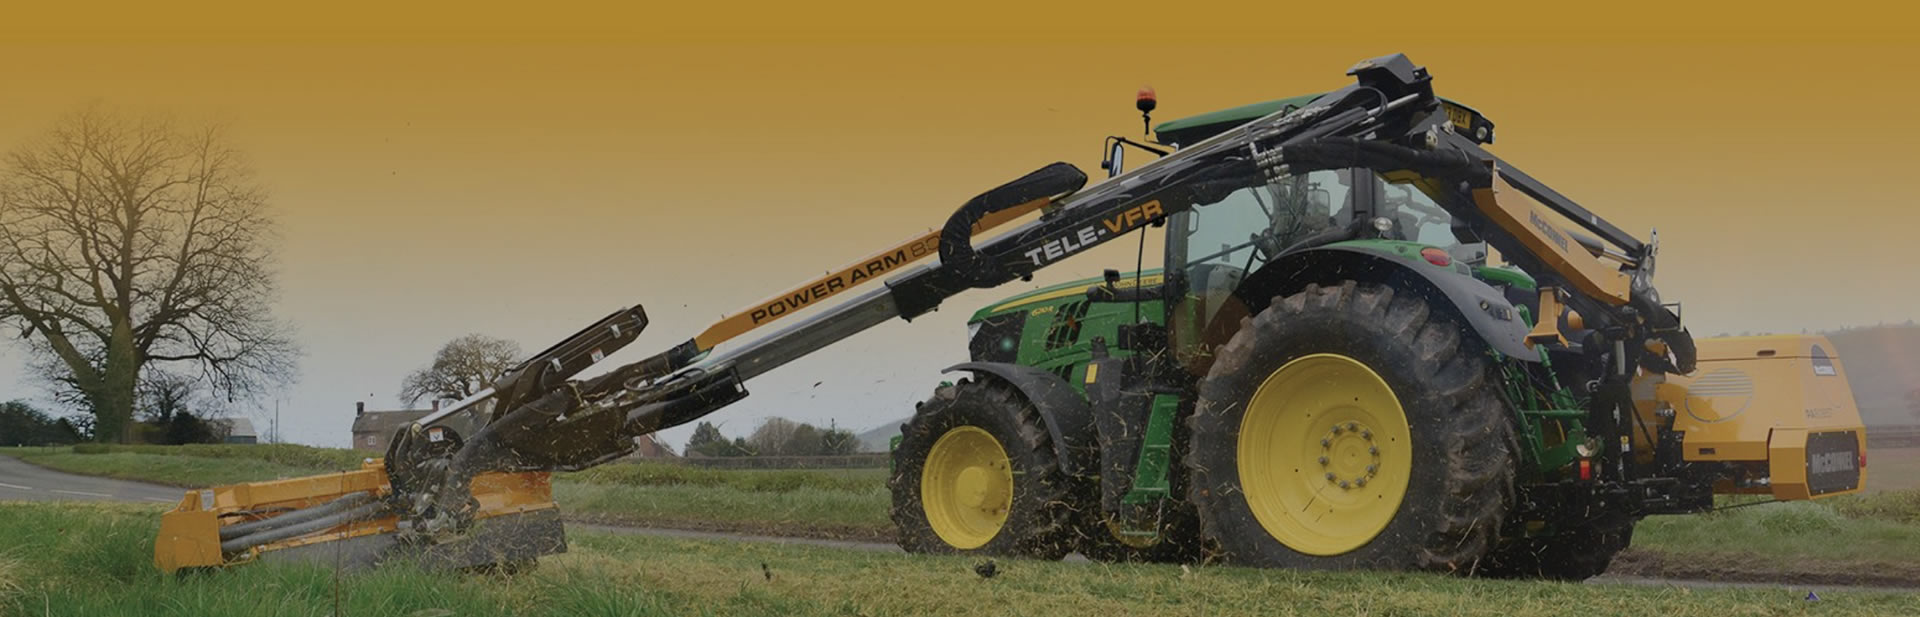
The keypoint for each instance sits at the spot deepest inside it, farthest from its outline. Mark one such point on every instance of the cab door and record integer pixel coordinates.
(1211, 248)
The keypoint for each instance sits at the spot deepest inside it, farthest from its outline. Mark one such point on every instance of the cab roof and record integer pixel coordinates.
(1192, 129)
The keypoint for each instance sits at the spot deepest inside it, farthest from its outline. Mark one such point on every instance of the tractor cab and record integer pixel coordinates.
(1214, 247)
(1215, 251)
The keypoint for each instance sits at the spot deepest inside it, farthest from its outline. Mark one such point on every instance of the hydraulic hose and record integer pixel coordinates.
(297, 516)
(1340, 152)
(957, 255)
(359, 513)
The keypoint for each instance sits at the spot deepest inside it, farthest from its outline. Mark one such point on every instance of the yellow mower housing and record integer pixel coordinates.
(1776, 408)
(515, 521)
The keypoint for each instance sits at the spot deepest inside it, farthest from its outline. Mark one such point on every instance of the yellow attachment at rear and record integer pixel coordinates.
(190, 533)
(1759, 401)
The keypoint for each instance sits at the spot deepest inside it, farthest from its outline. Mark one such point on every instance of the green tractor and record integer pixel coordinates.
(1328, 371)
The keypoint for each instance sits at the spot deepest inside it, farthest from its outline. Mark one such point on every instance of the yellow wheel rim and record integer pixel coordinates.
(966, 487)
(1324, 454)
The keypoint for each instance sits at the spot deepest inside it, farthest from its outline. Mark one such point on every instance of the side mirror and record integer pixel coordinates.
(1321, 199)
(1112, 277)
(1116, 159)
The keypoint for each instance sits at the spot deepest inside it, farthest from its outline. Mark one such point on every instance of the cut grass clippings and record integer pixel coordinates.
(1861, 539)
(95, 560)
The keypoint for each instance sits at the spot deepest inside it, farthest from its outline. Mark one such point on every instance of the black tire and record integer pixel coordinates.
(1039, 521)
(1576, 554)
(1460, 483)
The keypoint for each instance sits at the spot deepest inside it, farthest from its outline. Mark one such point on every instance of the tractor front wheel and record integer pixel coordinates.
(975, 472)
(1352, 426)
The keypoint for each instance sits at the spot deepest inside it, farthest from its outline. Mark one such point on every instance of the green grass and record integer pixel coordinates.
(1893, 506)
(813, 512)
(327, 459)
(1874, 530)
(1790, 534)
(215, 464)
(184, 471)
(842, 503)
(744, 480)
(193, 466)
(74, 559)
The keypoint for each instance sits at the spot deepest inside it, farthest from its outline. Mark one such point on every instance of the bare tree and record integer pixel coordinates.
(462, 367)
(130, 244)
(162, 395)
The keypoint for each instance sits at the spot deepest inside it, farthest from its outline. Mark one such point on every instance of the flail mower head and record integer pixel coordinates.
(350, 520)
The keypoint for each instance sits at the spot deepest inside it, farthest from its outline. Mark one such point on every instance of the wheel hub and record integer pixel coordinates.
(1350, 455)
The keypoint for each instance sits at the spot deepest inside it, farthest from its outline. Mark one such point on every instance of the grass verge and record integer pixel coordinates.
(75, 559)
(1865, 539)
(807, 512)
(849, 504)
(1845, 540)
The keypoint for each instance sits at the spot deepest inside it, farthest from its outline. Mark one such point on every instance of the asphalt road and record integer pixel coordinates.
(21, 481)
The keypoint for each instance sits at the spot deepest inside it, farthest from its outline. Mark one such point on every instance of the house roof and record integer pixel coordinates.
(237, 427)
(650, 446)
(386, 422)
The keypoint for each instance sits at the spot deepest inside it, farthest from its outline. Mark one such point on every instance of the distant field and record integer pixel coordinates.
(1893, 469)
(94, 560)
(1877, 534)
(831, 503)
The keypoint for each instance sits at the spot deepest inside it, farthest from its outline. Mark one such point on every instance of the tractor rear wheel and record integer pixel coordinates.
(975, 472)
(1352, 426)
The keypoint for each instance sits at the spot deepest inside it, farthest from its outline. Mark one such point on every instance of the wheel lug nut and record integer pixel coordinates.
(1360, 482)
(1336, 429)
(1370, 468)
(1323, 461)
(1329, 476)
(1373, 449)
(1343, 484)
(1324, 442)
(1367, 434)
(1353, 426)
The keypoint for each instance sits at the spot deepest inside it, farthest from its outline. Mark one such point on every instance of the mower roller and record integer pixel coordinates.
(1370, 343)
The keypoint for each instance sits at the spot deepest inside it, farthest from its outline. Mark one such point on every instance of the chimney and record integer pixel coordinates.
(359, 408)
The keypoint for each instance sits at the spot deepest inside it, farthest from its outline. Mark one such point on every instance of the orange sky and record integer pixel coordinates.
(696, 159)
